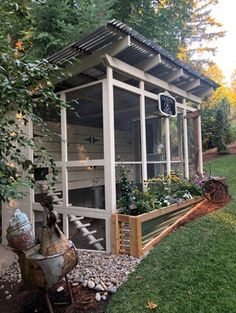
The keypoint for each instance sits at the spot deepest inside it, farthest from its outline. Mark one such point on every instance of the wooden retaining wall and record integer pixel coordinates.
(135, 235)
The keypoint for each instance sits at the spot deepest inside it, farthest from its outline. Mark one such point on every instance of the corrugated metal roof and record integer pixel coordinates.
(140, 49)
(158, 49)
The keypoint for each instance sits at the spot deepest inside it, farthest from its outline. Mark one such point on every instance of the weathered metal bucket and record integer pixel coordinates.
(45, 264)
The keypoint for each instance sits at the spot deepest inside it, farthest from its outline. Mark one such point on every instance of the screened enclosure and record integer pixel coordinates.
(115, 117)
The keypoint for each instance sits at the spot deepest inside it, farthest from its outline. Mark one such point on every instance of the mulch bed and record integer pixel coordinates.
(24, 301)
(212, 153)
(205, 208)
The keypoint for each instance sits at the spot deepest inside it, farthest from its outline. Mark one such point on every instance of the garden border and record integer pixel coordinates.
(127, 237)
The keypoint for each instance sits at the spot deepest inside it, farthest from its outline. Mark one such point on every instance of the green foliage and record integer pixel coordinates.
(58, 23)
(217, 130)
(205, 30)
(162, 21)
(15, 21)
(185, 28)
(160, 191)
(223, 126)
(25, 91)
(126, 188)
(208, 127)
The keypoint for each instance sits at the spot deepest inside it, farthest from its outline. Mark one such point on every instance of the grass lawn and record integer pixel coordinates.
(193, 269)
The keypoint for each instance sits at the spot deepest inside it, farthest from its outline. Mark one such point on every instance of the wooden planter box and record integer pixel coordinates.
(135, 235)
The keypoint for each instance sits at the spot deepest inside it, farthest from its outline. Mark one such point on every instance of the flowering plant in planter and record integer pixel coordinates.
(160, 191)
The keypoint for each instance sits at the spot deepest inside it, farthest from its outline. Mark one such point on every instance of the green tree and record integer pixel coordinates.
(222, 135)
(186, 27)
(199, 43)
(165, 22)
(217, 130)
(58, 23)
(15, 22)
(25, 91)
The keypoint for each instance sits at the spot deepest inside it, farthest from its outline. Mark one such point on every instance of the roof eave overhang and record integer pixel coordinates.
(121, 42)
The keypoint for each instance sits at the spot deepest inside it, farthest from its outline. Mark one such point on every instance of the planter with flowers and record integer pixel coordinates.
(143, 216)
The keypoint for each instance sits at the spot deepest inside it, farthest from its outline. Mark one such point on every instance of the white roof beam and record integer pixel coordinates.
(174, 75)
(191, 85)
(95, 58)
(205, 92)
(149, 63)
(141, 75)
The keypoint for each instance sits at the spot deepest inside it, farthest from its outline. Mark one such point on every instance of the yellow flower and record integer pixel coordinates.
(19, 116)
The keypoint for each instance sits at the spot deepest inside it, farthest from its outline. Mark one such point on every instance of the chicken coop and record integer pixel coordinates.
(133, 102)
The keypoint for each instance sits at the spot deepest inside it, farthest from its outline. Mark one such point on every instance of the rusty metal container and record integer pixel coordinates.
(45, 264)
(44, 272)
(19, 232)
(52, 240)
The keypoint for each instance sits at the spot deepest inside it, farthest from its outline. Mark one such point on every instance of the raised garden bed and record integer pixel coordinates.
(135, 235)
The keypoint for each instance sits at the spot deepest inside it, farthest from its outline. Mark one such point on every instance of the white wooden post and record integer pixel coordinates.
(167, 135)
(64, 159)
(200, 141)
(143, 134)
(185, 130)
(109, 150)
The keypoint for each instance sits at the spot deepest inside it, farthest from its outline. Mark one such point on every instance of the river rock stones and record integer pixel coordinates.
(100, 271)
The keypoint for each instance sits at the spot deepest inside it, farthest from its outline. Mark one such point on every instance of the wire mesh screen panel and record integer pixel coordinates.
(87, 232)
(86, 186)
(85, 124)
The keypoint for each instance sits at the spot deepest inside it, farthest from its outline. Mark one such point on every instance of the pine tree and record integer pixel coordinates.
(222, 135)
(198, 44)
(162, 21)
(58, 23)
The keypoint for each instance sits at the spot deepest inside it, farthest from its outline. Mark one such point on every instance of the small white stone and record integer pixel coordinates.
(74, 284)
(85, 283)
(2, 286)
(59, 289)
(99, 287)
(6, 292)
(97, 280)
(91, 284)
(8, 297)
(104, 297)
(103, 285)
(113, 280)
(98, 296)
(87, 276)
(78, 280)
(112, 289)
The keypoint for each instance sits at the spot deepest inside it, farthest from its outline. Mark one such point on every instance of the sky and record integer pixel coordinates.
(225, 12)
